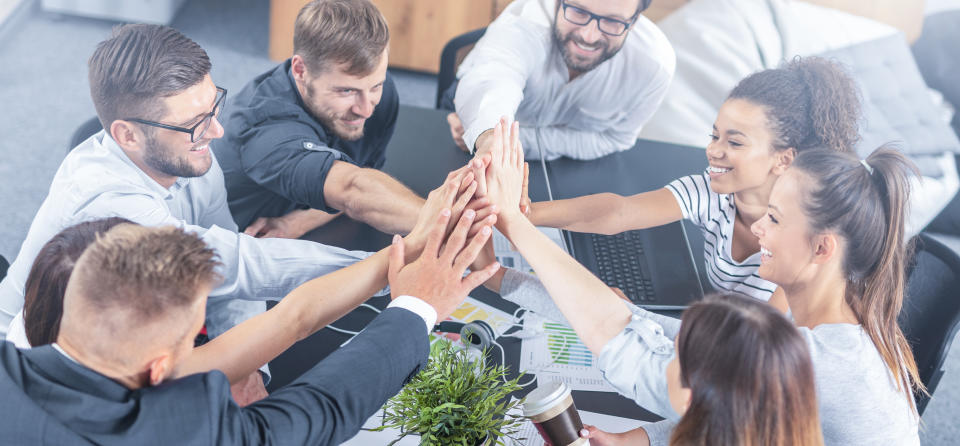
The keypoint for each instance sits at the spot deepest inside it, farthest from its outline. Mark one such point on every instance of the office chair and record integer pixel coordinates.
(451, 57)
(931, 309)
(86, 130)
(4, 264)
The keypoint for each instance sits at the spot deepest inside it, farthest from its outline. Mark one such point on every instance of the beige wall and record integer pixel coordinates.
(420, 28)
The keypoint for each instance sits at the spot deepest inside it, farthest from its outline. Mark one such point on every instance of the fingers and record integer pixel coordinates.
(255, 227)
(478, 167)
(458, 237)
(516, 148)
(466, 179)
(525, 190)
(464, 199)
(478, 224)
(435, 237)
(469, 253)
(477, 278)
(396, 261)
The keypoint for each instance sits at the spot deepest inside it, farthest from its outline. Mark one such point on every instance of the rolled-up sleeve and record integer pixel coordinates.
(493, 75)
(289, 159)
(635, 363)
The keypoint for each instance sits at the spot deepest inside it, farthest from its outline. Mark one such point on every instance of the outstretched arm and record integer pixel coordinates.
(592, 308)
(608, 213)
(320, 301)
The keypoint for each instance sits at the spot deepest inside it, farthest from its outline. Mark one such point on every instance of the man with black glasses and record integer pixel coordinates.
(152, 164)
(581, 76)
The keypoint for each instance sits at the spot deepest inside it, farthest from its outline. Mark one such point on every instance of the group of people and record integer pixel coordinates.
(178, 218)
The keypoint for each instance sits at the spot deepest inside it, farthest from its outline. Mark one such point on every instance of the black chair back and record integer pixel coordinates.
(931, 309)
(451, 57)
(86, 130)
(4, 265)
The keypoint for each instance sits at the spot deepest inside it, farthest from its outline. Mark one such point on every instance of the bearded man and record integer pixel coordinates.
(581, 76)
(304, 141)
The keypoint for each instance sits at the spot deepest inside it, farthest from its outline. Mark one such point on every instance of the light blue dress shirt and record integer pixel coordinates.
(98, 180)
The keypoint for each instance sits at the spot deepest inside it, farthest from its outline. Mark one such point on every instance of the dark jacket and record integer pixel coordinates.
(275, 156)
(47, 399)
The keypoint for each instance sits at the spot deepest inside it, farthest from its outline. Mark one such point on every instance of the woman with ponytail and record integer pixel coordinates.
(768, 119)
(833, 240)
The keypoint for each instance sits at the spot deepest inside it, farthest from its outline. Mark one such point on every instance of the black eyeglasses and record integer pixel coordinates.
(199, 129)
(606, 25)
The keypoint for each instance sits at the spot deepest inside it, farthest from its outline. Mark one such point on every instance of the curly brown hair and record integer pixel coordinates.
(810, 102)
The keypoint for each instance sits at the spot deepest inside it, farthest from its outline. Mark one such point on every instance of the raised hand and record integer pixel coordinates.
(436, 276)
(505, 174)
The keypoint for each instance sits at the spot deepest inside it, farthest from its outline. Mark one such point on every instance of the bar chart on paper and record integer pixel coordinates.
(565, 347)
(559, 355)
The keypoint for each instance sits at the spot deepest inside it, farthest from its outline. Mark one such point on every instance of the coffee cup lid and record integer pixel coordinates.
(544, 397)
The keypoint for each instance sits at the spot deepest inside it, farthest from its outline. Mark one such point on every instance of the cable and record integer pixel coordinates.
(352, 334)
(546, 179)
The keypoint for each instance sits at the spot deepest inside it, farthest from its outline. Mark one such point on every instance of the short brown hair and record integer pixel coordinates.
(133, 278)
(349, 32)
(140, 64)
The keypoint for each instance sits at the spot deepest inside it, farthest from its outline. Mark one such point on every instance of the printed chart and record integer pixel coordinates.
(559, 355)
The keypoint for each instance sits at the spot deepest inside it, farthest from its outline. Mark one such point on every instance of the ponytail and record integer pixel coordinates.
(865, 203)
(810, 102)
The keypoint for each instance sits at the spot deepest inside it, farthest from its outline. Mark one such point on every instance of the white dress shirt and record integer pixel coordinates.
(97, 180)
(516, 70)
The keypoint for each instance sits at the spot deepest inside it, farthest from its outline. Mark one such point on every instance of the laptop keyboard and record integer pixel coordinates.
(622, 263)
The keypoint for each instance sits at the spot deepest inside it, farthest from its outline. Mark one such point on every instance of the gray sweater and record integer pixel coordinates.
(859, 401)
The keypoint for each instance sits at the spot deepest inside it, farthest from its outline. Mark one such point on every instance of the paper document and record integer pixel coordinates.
(508, 255)
(559, 355)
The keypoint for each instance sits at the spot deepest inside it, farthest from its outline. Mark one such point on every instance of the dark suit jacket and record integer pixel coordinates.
(47, 399)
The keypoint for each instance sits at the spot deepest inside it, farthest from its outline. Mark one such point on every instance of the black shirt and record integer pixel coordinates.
(275, 156)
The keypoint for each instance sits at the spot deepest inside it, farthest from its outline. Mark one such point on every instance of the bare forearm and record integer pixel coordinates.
(608, 213)
(594, 311)
(306, 220)
(379, 200)
(599, 213)
(307, 309)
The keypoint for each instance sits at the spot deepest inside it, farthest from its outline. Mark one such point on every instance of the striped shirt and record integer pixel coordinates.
(715, 214)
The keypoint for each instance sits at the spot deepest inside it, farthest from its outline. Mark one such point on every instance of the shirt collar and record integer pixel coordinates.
(165, 193)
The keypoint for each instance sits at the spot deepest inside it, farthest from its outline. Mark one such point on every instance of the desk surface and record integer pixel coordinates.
(420, 155)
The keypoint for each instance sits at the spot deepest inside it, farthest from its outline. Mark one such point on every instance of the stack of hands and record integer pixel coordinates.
(455, 225)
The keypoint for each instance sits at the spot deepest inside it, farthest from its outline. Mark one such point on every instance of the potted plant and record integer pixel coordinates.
(455, 400)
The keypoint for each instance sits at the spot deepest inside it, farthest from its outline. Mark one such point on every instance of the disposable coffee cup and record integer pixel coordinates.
(550, 407)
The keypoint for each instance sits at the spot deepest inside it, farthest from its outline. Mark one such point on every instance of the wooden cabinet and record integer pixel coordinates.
(418, 28)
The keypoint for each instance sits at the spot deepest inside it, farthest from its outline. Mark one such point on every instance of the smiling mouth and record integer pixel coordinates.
(585, 47)
(718, 170)
(200, 148)
(765, 253)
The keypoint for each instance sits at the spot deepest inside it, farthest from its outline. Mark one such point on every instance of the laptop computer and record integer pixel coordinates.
(654, 267)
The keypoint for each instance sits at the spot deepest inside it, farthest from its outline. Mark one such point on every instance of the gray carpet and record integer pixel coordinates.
(44, 96)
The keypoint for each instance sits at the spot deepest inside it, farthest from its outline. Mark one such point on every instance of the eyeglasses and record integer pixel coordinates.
(606, 25)
(199, 129)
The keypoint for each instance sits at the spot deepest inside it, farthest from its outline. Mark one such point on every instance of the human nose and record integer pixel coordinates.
(215, 131)
(757, 227)
(590, 33)
(714, 151)
(364, 106)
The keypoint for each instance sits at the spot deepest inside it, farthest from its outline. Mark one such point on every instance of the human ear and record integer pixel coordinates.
(784, 160)
(299, 68)
(159, 369)
(125, 134)
(825, 248)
